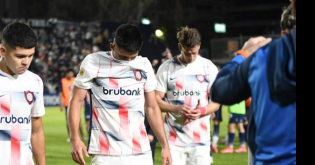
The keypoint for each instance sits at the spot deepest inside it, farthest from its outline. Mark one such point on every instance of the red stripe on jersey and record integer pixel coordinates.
(15, 144)
(143, 131)
(204, 128)
(95, 115)
(173, 135)
(113, 83)
(179, 84)
(5, 106)
(123, 115)
(136, 149)
(104, 143)
(197, 137)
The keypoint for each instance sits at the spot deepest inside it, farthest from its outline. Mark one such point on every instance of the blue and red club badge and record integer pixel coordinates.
(138, 75)
(29, 96)
(201, 78)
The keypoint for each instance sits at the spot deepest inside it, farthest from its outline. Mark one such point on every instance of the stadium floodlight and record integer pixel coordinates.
(145, 21)
(159, 33)
(220, 27)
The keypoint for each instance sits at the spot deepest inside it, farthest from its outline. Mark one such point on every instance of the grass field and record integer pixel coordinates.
(58, 150)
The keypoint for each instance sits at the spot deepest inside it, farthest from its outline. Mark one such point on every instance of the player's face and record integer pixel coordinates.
(69, 75)
(121, 54)
(15, 61)
(189, 55)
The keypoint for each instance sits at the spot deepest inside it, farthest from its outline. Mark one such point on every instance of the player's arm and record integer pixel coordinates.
(166, 107)
(155, 119)
(231, 85)
(161, 89)
(38, 141)
(74, 113)
(62, 108)
(204, 111)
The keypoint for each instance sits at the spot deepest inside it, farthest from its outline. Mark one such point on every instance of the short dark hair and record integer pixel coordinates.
(287, 19)
(129, 38)
(69, 70)
(188, 37)
(19, 35)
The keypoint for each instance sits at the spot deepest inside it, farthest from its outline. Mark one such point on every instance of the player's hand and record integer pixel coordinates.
(198, 112)
(77, 146)
(253, 44)
(62, 108)
(212, 116)
(184, 110)
(151, 138)
(166, 156)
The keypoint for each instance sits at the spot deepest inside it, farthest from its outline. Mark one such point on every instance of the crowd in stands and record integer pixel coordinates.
(59, 49)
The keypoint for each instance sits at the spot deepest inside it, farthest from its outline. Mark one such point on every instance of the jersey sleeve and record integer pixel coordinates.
(162, 79)
(150, 85)
(38, 109)
(88, 71)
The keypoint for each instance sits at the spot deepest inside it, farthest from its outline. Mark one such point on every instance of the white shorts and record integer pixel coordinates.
(198, 155)
(145, 159)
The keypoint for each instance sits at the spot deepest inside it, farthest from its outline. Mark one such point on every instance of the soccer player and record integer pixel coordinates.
(237, 118)
(21, 99)
(65, 89)
(265, 70)
(183, 93)
(122, 86)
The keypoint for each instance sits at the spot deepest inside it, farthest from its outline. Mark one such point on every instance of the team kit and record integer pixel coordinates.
(121, 92)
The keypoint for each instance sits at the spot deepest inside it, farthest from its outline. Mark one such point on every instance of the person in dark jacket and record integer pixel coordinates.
(266, 71)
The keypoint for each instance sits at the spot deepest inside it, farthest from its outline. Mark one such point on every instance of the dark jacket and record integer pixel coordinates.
(269, 77)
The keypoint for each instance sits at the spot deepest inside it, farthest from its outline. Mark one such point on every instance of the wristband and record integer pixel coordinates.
(203, 110)
(242, 53)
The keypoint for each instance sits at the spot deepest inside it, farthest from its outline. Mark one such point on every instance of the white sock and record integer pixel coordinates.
(215, 140)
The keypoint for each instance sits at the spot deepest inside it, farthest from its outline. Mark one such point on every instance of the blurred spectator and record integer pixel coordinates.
(65, 46)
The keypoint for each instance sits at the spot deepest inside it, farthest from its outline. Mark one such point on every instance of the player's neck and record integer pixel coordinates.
(182, 60)
(6, 69)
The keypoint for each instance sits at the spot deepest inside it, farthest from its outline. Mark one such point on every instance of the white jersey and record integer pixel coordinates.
(21, 98)
(186, 85)
(117, 96)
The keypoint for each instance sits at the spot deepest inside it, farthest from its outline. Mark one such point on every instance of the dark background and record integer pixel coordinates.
(242, 17)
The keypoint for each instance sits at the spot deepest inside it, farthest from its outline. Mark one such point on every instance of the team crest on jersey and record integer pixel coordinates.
(201, 78)
(82, 72)
(29, 96)
(138, 75)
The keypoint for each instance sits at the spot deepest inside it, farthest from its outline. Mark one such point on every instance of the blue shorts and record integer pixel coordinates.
(237, 118)
(218, 115)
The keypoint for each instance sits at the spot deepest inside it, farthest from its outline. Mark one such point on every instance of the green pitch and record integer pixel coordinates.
(58, 150)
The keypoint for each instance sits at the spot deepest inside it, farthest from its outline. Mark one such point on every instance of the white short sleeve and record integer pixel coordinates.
(150, 85)
(38, 108)
(88, 71)
(162, 78)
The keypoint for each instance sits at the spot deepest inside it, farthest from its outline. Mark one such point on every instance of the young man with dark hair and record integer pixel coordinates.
(183, 93)
(121, 84)
(21, 99)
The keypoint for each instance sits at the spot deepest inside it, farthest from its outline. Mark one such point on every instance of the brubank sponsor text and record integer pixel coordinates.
(122, 92)
(14, 119)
